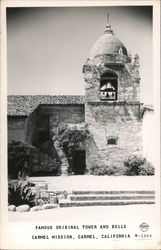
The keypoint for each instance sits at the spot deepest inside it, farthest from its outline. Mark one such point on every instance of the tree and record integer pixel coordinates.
(20, 157)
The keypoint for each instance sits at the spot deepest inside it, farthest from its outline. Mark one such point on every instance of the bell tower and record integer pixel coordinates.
(112, 100)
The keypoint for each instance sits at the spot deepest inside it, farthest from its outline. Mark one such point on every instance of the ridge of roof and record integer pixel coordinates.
(24, 105)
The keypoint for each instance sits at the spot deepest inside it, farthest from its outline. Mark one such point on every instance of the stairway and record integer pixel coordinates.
(107, 198)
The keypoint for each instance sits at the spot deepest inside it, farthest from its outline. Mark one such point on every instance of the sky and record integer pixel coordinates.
(47, 46)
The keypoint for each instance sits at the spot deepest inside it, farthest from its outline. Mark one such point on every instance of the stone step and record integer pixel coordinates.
(113, 192)
(110, 197)
(68, 203)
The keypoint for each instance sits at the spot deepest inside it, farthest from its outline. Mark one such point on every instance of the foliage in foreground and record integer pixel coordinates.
(25, 159)
(18, 153)
(20, 193)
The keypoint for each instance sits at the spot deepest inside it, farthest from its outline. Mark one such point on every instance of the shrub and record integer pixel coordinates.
(137, 165)
(20, 193)
(18, 153)
(105, 170)
(37, 161)
(147, 169)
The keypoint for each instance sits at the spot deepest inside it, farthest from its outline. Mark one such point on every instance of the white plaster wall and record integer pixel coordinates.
(148, 136)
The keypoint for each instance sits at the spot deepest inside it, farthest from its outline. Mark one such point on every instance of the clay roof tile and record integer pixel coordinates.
(24, 105)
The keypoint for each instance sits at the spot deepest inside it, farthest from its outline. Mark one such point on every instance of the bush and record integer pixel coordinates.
(137, 165)
(147, 169)
(18, 153)
(20, 193)
(105, 170)
(133, 166)
(37, 161)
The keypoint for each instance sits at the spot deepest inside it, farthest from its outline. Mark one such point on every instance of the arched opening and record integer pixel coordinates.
(109, 86)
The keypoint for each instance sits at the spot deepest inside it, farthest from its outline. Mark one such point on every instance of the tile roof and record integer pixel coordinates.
(24, 105)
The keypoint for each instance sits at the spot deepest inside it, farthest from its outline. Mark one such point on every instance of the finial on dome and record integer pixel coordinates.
(108, 26)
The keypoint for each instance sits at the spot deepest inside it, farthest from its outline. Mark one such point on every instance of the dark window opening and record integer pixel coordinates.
(112, 141)
(109, 86)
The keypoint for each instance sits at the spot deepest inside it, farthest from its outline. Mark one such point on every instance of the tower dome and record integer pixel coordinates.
(108, 44)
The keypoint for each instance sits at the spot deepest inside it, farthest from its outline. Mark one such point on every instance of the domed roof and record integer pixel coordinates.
(108, 43)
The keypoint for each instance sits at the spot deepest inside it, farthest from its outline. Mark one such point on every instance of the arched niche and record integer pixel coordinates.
(108, 86)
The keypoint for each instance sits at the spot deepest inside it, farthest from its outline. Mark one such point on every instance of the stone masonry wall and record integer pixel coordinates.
(16, 128)
(128, 84)
(113, 118)
(128, 79)
(70, 114)
(62, 113)
(116, 120)
(30, 127)
(22, 128)
(27, 129)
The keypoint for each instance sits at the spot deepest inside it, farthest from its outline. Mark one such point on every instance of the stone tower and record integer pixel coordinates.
(112, 101)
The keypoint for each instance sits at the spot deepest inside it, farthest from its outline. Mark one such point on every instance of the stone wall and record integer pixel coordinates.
(105, 119)
(22, 128)
(16, 128)
(30, 128)
(62, 113)
(47, 119)
(113, 120)
(128, 80)
(128, 85)
(26, 128)
(118, 118)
